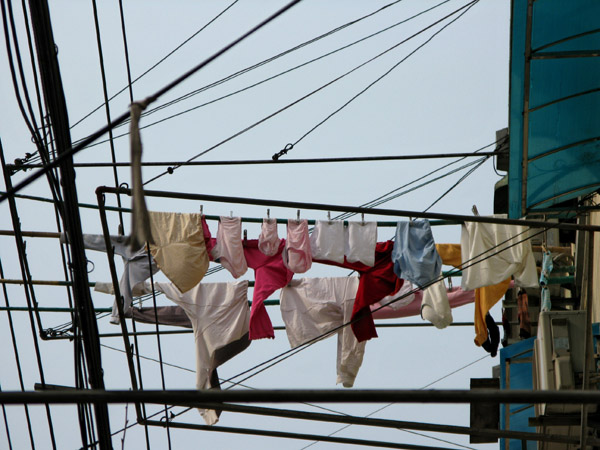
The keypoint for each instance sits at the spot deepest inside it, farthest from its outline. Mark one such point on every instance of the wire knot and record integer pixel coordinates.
(282, 152)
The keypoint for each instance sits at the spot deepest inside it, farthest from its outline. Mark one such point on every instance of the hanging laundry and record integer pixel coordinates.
(360, 241)
(523, 314)
(547, 267)
(297, 255)
(492, 253)
(209, 242)
(327, 240)
(270, 274)
(456, 297)
(311, 307)
(374, 284)
(268, 240)
(435, 307)
(179, 248)
(485, 297)
(219, 315)
(491, 344)
(229, 250)
(136, 267)
(415, 256)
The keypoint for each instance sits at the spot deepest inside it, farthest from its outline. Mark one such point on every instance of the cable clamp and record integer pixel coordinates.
(282, 152)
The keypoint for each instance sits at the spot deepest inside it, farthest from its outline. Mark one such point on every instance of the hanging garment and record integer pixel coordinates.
(311, 307)
(297, 255)
(327, 240)
(270, 274)
(374, 284)
(485, 297)
(435, 307)
(209, 242)
(268, 240)
(491, 344)
(492, 253)
(415, 256)
(179, 248)
(219, 315)
(361, 238)
(229, 250)
(137, 267)
(456, 297)
(547, 267)
(523, 314)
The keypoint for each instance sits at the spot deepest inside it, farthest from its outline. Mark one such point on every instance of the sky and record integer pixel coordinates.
(450, 96)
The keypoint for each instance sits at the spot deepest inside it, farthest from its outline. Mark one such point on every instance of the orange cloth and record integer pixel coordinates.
(485, 297)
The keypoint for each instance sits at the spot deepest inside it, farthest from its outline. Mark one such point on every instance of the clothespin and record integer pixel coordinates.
(268, 214)
(201, 210)
(329, 216)
(362, 218)
(298, 216)
(245, 235)
(474, 209)
(231, 214)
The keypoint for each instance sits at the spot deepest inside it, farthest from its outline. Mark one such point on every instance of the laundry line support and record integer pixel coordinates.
(16, 167)
(354, 209)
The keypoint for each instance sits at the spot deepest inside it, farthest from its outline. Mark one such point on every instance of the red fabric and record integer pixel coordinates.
(269, 274)
(375, 283)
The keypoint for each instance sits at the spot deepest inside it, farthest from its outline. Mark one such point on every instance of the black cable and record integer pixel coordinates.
(68, 153)
(6, 427)
(160, 61)
(264, 119)
(468, 6)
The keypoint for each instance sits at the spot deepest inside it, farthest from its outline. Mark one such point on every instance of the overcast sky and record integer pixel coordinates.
(450, 96)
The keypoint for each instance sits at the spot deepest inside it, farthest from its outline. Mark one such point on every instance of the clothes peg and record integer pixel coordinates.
(362, 218)
(245, 235)
(268, 214)
(298, 216)
(231, 214)
(201, 210)
(475, 211)
(329, 216)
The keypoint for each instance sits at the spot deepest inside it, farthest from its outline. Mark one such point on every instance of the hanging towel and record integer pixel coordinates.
(494, 252)
(268, 240)
(374, 284)
(327, 240)
(270, 274)
(219, 315)
(297, 255)
(415, 256)
(179, 249)
(229, 250)
(311, 307)
(137, 267)
(361, 238)
(435, 306)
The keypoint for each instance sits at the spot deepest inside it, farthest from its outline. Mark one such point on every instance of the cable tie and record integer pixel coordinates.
(282, 152)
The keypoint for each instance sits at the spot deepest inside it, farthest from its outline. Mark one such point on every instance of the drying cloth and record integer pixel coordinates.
(415, 256)
(269, 275)
(311, 307)
(375, 283)
(435, 306)
(179, 249)
(456, 297)
(136, 267)
(405, 296)
(495, 252)
(229, 250)
(140, 222)
(361, 238)
(268, 240)
(547, 267)
(297, 255)
(523, 314)
(219, 314)
(485, 297)
(208, 240)
(327, 240)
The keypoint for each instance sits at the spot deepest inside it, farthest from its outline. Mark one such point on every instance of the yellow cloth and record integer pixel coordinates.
(485, 297)
(179, 248)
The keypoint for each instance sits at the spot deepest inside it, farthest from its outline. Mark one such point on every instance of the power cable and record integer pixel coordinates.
(6, 427)
(160, 61)
(304, 97)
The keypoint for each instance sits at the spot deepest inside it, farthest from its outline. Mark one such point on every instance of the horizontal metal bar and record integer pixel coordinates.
(571, 54)
(15, 167)
(355, 209)
(187, 397)
(397, 424)
(288, 435)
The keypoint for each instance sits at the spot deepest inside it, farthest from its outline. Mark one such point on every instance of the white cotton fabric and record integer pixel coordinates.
(435, 306)
(229, 249)
(268, 240)
(407, 289)
(495, 264)
(297, 255)
(361, 238)
(327, 240)
(311, 307)
(220, 315)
